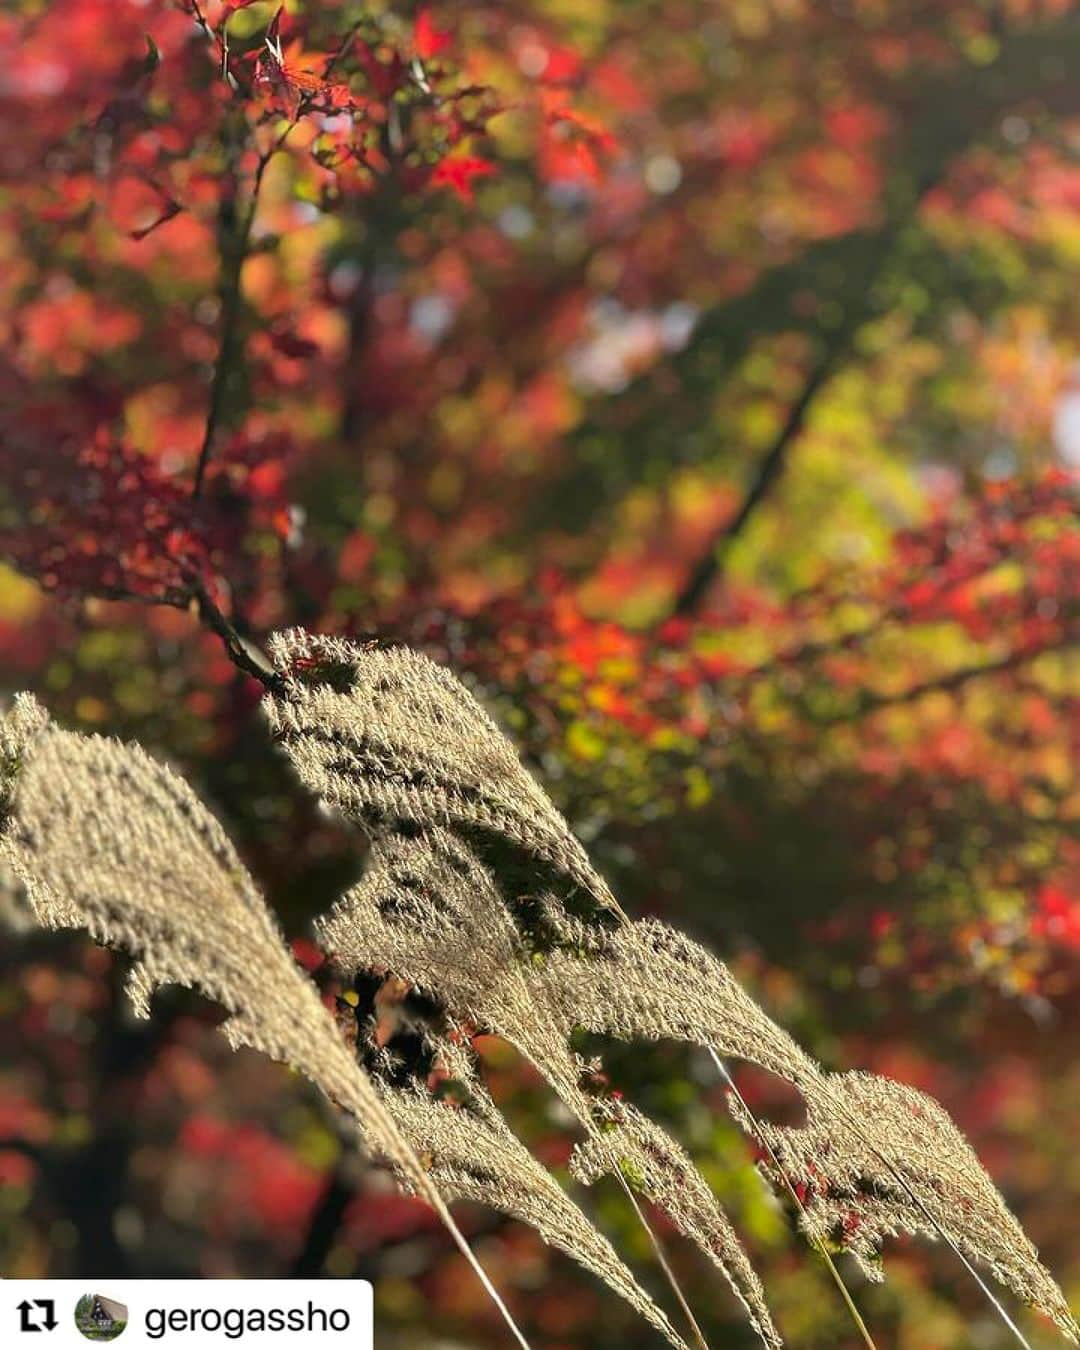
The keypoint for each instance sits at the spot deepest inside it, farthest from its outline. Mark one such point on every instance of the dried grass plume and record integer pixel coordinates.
(403, 749)
(104, 837)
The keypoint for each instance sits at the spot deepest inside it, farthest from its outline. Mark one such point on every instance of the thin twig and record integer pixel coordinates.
(342, 48)
(175, 597)
(220, 40)
(200, 19)
(793, 656)
(243, 654)
(241, 651)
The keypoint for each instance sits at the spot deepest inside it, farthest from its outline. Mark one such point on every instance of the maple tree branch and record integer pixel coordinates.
(325, 1223)
(766, 476)
(234, 255)
(173, 596)
(242, 653)
(13, 1144)
(871, 702)
(838, 346)
(197, 14)
(342, 48)
(939, 114)
(219, 40)
(854, 639)
(234, 246)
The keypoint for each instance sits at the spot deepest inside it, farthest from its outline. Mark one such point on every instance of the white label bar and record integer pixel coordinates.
(186, 1314)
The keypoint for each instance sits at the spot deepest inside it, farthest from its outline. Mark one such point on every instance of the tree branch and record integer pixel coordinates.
(854, 639)
(871, 702)
(234, 249)
(862, 274)
(663, 414)
(768, 473)
(242, 653)
(219, 40)
(12, 1144)
(325, 1224)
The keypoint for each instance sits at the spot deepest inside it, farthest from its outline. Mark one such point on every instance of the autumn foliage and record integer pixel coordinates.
(701, 382)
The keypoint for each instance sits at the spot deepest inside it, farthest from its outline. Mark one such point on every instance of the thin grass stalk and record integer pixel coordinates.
(664, 1263)
(817, 1245)
(650, 1233)
(110, 841)
(462, 1244)
(855, 1125)
(654, 1239)
(475, 782)
(999, 1308)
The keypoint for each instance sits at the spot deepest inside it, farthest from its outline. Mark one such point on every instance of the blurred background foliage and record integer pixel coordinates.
(700, 378)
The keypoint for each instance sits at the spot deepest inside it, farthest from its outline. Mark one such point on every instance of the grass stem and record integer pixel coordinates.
(665, 1264)
(816, 1243)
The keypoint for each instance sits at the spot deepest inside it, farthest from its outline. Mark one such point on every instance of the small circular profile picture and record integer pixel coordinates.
(100, 1318)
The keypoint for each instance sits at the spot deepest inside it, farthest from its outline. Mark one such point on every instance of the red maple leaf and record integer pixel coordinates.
(428, 40)
(279, 75)
(458, 173)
